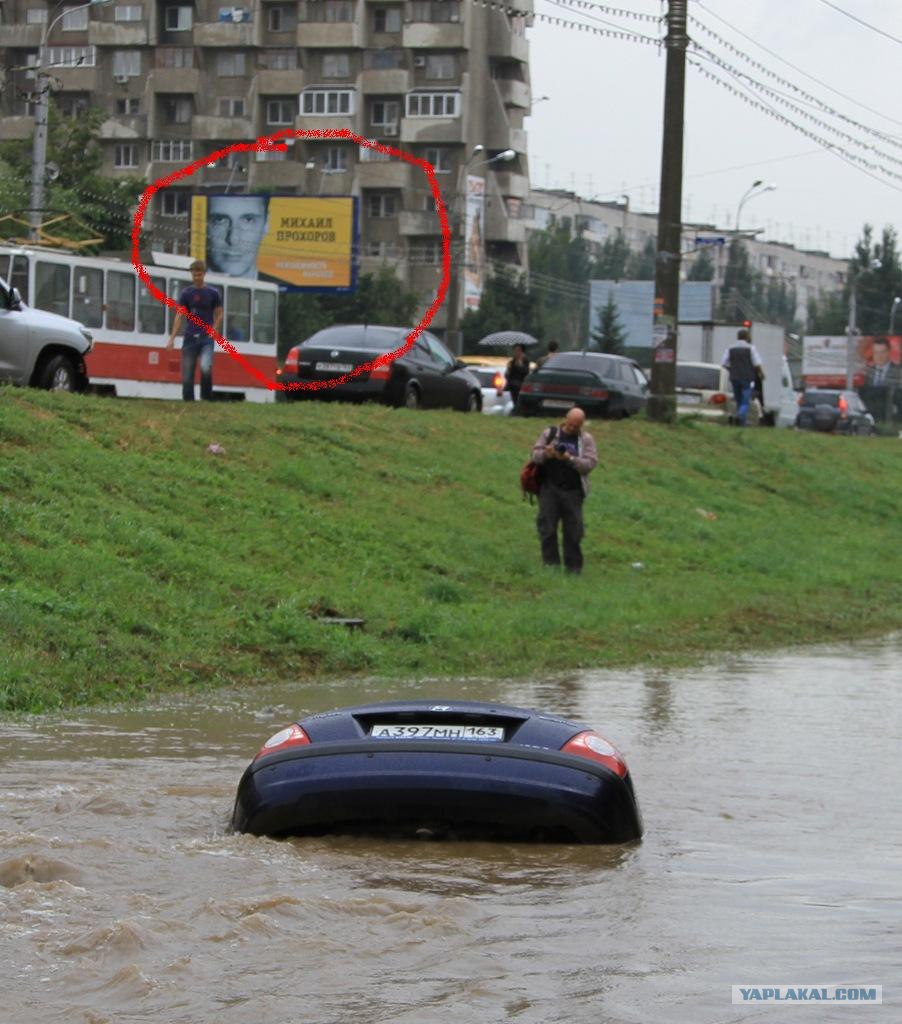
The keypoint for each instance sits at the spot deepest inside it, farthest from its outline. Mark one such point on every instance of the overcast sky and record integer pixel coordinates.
(599, 133)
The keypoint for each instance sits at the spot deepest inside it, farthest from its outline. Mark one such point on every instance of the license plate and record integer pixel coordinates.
(334, 367)
(557, 403)
(689, 399)
(487, 733)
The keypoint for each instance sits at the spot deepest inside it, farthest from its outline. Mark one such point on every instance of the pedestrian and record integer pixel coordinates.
(553, 346)
(744, 365)
(517, 371)
(205, 303)
(567, 455)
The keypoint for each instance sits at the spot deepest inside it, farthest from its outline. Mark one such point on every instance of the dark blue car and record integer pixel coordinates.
(454, 768)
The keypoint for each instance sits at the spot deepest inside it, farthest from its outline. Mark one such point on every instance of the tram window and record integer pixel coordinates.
(238, 314)
(120, 303)
(51, 287)
(176, 287)
(151, 312)
(264, 318)
(4, 266)
(87, 300)
(18, 277)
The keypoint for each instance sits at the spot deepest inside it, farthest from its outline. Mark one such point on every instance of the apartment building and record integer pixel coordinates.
(180, 79)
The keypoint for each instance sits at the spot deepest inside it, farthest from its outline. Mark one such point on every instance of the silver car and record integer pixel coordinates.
(495, 400)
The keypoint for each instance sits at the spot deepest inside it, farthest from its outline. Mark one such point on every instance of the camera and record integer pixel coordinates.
(561, 449)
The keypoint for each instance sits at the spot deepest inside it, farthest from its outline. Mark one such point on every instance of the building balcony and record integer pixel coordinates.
(332, 183)
(517, 140)
(502, 42)
(419, 222)
(329, 122)
(174, 80)
(16, 128)
(124, 128)
(501, 228)
(279, 83)
(77, 79)
(234, 35)
(275, 174)
(108, 33)
(225, 129)
(385, 81)
(421, 130)
(512, 184)
(21, 36)
(341, 35)
(388, 174)
(513, 93)
(420, 35)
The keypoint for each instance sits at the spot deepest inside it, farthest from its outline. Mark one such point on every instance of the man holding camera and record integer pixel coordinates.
(567, 455)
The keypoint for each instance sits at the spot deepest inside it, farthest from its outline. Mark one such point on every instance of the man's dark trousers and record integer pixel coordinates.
(561, 505)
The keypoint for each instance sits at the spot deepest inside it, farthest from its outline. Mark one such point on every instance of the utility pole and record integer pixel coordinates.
(662, 403)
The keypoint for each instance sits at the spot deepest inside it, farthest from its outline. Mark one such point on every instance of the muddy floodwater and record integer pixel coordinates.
(769, 788)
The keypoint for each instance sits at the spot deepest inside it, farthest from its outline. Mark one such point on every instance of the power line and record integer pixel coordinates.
(861, 21)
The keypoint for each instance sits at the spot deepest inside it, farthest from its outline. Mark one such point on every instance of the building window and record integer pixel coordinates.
(271, 155)
(279, 60)
(175, 57)
(440, 160)
(387, 19)
(381, 204)
(231, 65)
(128, 106)
(379, 60)
(426, 251)
(234, 14)
(336, 159)
(432, 104)
(71, 56)
(36, 16)
(281, 18)
(281, 112)
(322, 102)
(128, 12)
(384, 113)
(174, 204)
(328, 10)
(75, 19)
(126, 64)
(172, 150)
(178, 19)
(440, 65)
(125, 155)
(72, 104)
(178, 109)
(435, 10)
(336, 65)
(429, 204)
(231, 106)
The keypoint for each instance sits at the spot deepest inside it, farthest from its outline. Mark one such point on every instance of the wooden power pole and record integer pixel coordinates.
(662, 403)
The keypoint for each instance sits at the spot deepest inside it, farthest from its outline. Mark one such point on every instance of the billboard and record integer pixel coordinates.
(303, 243)
(474, 263)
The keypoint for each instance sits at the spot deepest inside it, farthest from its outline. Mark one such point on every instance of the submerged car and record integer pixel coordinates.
(837, 412)
(426, 376)
(457, 768)
(600, 384)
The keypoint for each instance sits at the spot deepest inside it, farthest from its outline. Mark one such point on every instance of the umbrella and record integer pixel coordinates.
(507, 339)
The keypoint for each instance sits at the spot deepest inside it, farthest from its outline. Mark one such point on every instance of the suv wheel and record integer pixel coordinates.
(412, 397)
(59, 374)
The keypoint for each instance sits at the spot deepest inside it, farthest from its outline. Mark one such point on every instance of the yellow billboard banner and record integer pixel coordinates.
(300, 242)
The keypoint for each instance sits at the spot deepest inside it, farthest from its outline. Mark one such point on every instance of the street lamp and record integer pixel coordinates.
(852, 329)
(892, 313)
(452, 324)
(751, 193)
(41, 109)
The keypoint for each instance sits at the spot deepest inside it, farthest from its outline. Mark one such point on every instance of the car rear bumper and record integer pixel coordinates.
(461, 788)
(352, 391)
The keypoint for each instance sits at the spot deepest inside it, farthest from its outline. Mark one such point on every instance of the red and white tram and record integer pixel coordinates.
(131, 327)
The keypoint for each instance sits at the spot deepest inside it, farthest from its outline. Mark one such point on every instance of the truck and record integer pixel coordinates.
(706, 341)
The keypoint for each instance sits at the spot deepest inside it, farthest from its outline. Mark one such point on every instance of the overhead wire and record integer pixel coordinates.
(861, 21)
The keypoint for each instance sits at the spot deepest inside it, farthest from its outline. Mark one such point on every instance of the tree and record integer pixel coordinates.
(876, 287)
(610, 263)
(105, 207)
(702, 267)
(380, 298)
(559, 274)
(828, 314)
(506, 304)
(609, 336)
(739, 283)
(641, 265)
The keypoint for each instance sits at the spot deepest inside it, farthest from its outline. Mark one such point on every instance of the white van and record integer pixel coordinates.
(41, 349)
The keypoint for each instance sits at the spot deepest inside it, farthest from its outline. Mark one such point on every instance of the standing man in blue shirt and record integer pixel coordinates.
(205, 303)
(743, 363)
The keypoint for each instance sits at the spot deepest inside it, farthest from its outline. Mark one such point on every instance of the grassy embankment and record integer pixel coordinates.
(132, 561)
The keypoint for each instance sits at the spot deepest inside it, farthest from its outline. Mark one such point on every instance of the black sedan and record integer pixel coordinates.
(834, 412)
(600, 384)
(426, 376)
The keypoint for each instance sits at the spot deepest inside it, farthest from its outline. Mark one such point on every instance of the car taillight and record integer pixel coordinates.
(292, 736)
(381, 372)
(594, 393)
(498, 382)
(596, 748)
(527, 387)
(718, 398)
(843, 406)
(291, 360)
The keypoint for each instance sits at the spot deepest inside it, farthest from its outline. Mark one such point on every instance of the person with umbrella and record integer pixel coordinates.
(517, 371)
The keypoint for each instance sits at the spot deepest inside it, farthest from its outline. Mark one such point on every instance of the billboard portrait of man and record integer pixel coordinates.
(236, 225)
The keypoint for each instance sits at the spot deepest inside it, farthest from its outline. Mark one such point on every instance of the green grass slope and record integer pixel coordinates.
(134, 561)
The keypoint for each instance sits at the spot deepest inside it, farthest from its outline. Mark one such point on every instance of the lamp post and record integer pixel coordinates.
(41, 110)
(892, 313)
(753, 192)
(452, 323)
(852, 329)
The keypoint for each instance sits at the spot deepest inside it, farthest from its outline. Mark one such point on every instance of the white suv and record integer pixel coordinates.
(41, 349)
